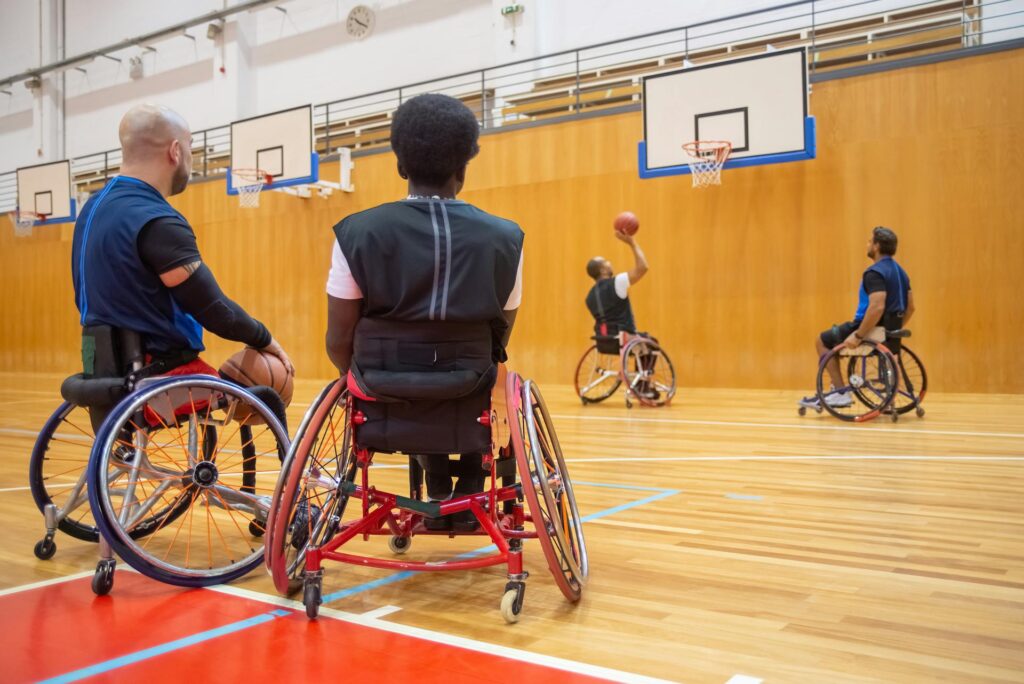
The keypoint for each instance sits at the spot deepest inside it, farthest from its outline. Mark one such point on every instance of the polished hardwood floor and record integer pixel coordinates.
(727, 536)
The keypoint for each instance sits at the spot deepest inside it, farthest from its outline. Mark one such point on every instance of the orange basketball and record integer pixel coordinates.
(627, 223)
(251, 367)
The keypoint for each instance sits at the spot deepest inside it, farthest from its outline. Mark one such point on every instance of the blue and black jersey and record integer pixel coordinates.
(888, 276)
(113, 285)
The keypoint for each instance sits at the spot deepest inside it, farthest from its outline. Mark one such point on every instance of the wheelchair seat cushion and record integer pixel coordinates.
(93, 392)
(607, 344)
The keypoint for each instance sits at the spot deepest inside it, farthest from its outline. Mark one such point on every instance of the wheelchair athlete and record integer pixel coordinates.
(885, 299)
(422, 297)
(136, 266)
(608, 302)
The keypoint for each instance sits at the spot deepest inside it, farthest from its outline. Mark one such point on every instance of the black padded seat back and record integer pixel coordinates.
(422, 385)
(607, 344)
(108, 355)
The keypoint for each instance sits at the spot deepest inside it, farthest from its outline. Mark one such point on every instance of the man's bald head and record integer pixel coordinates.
(159, 139)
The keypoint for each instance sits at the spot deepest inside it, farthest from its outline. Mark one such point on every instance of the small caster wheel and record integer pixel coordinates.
(103, 578)
(398, 544)
(512, 601)
(802, 410)
(920, 412)
(45, 548)
(819, 410)
(629, 404)
(894, 417)
(311, 597)
(257, 528)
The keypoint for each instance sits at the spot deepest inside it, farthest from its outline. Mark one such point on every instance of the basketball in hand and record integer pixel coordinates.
(627, 223)
(251, 367)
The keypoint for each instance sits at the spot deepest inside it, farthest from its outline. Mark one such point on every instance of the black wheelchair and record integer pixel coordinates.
(633, 360)
(882, 376)
(173, 473)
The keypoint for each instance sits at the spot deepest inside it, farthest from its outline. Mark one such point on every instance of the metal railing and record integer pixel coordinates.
(840, 35)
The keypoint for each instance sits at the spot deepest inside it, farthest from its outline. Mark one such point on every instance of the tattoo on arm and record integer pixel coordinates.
(193, 267)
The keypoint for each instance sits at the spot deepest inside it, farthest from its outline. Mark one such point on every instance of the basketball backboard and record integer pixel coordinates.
(45, 189)
(280, 144)
(758, 103)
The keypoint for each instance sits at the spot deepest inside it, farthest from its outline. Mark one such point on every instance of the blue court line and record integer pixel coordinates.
(177, 644)
(406, 574)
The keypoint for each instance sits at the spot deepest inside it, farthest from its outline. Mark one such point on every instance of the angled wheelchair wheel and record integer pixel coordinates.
(913, 382)
(648, 372)
(868, 384)
(57, 469)
(176, 477)
(547, 487)
(308, 501)
(597, 376)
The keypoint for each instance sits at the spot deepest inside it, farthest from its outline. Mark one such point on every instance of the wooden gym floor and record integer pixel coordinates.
(730, 540)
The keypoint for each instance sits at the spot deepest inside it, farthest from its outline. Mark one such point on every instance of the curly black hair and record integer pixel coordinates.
(434, 136)
(886, 240)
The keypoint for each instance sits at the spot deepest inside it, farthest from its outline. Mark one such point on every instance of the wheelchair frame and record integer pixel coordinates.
(629, 345)
(551, 501)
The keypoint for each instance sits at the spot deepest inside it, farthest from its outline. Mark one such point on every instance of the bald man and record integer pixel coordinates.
(135, 262)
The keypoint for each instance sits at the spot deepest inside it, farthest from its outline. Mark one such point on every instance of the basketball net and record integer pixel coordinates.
(23, 222)
(249, 183)
(706, 160)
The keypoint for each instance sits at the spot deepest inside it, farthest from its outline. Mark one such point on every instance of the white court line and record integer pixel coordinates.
(744, 679)
(788, 426)
(381, 612)
(741, 457)
(644, 526)
(450, 639)
(45, 583)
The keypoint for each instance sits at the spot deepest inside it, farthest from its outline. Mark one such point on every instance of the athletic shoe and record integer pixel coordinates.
(839, 399)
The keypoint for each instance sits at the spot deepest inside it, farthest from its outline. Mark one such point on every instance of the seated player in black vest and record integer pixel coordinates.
(608, 299)
(135, 263)
(422, 296)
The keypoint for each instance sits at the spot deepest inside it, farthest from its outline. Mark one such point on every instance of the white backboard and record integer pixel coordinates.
(280, 144)
(46, 189)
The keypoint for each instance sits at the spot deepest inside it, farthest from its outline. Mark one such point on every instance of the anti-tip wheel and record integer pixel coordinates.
(920, 412)
(45, 548)
(802, 411)
(399, 545)
(103, 578)
(509, 610)
(257, 528)
(894, 416)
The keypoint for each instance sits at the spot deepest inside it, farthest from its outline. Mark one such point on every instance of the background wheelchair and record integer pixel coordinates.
(881, 376)
(326, 475)
(178, 477)
(636, 361)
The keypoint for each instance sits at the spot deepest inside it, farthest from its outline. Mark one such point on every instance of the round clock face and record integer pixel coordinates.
(360, 21)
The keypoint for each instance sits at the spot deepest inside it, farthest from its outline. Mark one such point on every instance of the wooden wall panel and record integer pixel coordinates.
(743, 276)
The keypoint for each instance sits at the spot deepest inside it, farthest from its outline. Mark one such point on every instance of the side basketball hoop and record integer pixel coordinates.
(249, 183)
(706, 160)
(23, 222)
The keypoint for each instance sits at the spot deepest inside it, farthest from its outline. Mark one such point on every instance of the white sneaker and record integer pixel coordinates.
(839, 399)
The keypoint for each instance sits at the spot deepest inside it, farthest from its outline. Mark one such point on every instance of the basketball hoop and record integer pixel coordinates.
(249, 183)
(23, 222)
(706, 160)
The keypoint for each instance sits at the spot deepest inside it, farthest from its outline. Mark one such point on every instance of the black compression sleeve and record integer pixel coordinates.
(166, 243)
(201, 296)
(874, 282)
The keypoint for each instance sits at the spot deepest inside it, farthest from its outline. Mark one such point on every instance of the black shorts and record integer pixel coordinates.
(837, 334)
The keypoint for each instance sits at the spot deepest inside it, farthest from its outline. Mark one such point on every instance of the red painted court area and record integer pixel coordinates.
(149, 632)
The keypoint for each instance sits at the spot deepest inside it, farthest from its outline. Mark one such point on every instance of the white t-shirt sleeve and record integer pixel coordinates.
(622, 285)
(516, 297)
(340, 282)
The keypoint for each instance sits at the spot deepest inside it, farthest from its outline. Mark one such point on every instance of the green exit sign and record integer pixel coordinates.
(511, 9)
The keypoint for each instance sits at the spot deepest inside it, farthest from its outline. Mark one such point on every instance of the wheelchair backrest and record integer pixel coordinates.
(109, 352)
(607, 344)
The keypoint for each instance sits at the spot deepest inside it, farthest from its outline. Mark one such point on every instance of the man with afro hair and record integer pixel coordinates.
(426, 283)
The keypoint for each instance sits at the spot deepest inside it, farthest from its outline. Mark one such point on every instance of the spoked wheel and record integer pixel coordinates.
(869, 382)
(56, 470)
(546, 486)
(648, 372)
(913, 382)
(174, 459)
(308, 502)
(597, 376)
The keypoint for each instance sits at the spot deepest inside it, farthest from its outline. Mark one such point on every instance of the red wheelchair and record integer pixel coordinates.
(634, 360)
(326, 474)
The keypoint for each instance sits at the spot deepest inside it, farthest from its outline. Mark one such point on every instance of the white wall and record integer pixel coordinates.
(269, 60)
